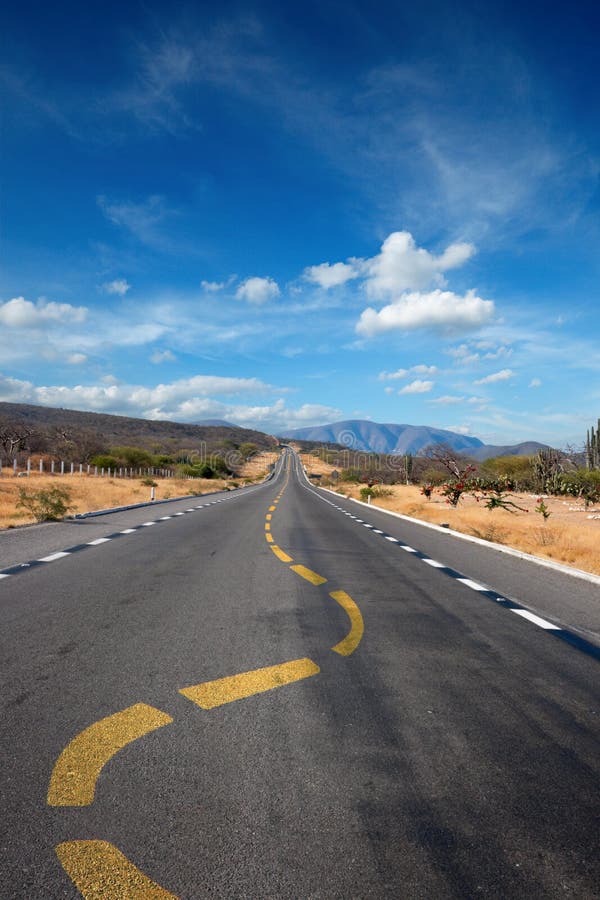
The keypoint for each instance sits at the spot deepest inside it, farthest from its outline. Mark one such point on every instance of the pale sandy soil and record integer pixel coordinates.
(257, 467)
(89, 493)
(571, 534)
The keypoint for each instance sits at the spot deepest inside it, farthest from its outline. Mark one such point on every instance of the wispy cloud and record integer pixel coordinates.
(503, 375)
(119, 286)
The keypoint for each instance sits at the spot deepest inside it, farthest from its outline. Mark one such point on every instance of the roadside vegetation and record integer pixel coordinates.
(547, 504)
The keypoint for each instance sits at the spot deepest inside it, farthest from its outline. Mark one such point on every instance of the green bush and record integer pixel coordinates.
(47, 505)
(104, 461)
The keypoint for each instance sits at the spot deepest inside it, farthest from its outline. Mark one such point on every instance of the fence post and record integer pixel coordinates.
(15, 466)
(81, 468)
(41, 466)
(62, 467)
(96, 471)
(29, 466)
(52, 467)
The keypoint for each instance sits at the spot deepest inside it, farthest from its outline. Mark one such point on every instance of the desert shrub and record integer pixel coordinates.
(133, 457)
(104, 461)
(46, 505)
(149, 482)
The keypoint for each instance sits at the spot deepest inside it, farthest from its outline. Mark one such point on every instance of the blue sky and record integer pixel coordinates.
(290, 216)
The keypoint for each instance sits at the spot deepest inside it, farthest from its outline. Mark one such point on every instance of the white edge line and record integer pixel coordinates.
(510, 551)
(474, 585)
(537, 620)
(54, 556)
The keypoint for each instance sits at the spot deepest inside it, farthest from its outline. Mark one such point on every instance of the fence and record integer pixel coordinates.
(60, 467)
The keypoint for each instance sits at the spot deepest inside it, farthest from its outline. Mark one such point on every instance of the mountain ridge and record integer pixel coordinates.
(398, 439)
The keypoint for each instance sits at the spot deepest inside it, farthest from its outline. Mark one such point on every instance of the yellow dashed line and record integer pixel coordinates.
(267, 526)
(349, 644)
(236, 687)
(78, 767)
(308, 574)
(269, 537)
(271, 508)
(99, 871)
(268, 517)
(281, 555)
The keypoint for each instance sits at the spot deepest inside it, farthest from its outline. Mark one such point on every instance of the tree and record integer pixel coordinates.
(13, 438)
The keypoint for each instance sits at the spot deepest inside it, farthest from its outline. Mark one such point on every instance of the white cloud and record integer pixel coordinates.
(185, 400)
(402, 373)
(328, 276)
(499, 353)
(141, 219)
(161, 356)
(459, 429)
(170, 400)
(389, 389)
(402, 266)
(212, 287)
(119, 286)
(258, 290)
(76, 359)
(463, 355)
(21, 313)
(417, 387)
(447, 400)
(435, 310)
(503, 375)
(535, 383)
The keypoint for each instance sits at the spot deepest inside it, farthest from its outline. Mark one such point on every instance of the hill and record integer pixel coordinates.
(75, 435)
(488, 451)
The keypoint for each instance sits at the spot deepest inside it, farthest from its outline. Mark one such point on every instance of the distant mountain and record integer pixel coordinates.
(527, 448)
(360, 434)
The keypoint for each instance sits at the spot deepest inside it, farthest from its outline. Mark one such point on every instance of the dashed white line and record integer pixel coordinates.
(4, 576)
(537, 620)
(474, 585)
(54, 556)
(408, 549)
(128, 531)
(391, 539)
(98, 541)
(147, 524)
(433, 562)
(164, 518)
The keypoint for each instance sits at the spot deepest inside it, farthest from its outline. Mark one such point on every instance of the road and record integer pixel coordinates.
(276, 693)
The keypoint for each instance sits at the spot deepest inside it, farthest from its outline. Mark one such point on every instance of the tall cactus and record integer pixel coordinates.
(592, 448)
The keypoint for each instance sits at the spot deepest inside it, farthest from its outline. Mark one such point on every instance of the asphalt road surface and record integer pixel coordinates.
(276, 693)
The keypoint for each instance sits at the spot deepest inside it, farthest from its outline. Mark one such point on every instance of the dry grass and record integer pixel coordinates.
(89, 493)
(257, 467)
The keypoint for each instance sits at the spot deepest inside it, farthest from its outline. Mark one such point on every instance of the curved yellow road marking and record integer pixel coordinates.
(281, 555)
(101, 872)
(236, 687)
(349, 644)
(311, 576)
(76, 771)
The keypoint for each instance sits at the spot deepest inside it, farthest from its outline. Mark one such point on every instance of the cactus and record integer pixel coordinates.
(592, 448)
